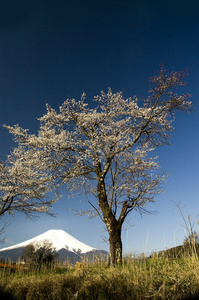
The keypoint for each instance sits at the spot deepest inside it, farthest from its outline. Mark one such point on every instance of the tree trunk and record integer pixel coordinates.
(113, 225)
(115, 242)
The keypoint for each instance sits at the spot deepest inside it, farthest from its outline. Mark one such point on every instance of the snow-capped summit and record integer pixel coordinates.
(59, 240)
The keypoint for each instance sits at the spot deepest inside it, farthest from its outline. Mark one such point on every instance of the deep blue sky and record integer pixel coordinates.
(50, 50)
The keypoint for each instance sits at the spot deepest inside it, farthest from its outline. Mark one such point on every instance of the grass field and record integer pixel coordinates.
(156, 277)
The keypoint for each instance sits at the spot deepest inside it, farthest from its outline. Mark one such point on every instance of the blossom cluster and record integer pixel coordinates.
(81, 147)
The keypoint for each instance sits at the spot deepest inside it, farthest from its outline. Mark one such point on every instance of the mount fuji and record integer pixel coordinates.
(64, 244)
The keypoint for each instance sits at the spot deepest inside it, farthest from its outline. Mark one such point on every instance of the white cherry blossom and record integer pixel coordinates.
(104, 151)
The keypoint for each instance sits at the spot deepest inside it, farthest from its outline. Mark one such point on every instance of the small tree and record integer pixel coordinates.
(103, 151)
(23, 188)
(39, 254)
(28, 254)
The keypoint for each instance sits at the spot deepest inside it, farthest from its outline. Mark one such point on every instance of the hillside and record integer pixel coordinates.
(66, 246)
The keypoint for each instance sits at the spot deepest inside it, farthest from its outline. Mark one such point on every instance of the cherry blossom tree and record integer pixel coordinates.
(23, 188)
(104, 152)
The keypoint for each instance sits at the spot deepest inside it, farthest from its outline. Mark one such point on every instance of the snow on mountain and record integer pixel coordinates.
(59, 240)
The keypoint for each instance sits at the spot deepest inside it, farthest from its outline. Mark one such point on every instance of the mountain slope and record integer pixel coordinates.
(59, 240)
(68, 248)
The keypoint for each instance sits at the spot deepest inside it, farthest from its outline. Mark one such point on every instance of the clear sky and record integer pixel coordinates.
(50, 50)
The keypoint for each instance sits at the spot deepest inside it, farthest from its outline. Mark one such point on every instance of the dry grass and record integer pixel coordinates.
(144, 278)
